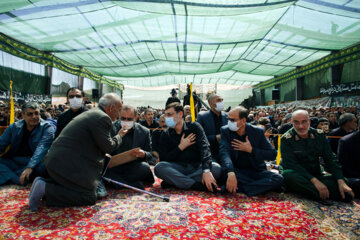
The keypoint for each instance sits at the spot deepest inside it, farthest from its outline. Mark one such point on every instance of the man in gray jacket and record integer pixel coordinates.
(76, 158)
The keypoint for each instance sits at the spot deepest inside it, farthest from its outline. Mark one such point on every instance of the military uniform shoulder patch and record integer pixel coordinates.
(319, 131)
(287, 135)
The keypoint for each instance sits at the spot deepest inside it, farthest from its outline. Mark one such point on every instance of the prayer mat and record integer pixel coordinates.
(125, 214)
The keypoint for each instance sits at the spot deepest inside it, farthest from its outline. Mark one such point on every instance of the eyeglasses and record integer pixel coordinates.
(73, 96)
(126, 119)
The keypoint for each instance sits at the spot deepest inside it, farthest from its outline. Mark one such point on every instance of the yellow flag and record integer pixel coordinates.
(12, 109)
(192, 106)
(278, 157)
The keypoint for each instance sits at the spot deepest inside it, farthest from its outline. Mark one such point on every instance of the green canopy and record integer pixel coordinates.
(158, 42)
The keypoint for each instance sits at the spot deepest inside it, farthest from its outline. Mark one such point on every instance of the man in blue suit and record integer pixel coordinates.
(212, 120)
(243, 149)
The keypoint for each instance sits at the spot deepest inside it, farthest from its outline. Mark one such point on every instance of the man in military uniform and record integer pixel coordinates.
(301, 148)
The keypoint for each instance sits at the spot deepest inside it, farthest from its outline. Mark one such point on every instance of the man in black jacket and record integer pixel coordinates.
(75, 98)
(185, 157)
(348, 123)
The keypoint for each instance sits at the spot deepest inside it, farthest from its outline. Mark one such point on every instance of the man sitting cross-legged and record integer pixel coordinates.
(29, 141)
(185, 158)
(301, 148)
(137, 139)
(243, 151)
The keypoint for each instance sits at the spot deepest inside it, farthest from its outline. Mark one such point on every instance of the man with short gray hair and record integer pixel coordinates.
(301, 148)
(29, 141)
(75, 160)
(348, 124)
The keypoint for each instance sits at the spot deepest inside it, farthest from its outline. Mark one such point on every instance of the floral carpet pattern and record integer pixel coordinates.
(125, 214)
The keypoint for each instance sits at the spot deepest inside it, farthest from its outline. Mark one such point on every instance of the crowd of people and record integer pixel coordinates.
(61, 149)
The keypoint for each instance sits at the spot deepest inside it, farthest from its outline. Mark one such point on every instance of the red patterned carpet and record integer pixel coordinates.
(125, 214)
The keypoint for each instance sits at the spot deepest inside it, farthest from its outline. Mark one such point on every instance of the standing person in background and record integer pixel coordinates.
(211, 121)
(173, 97)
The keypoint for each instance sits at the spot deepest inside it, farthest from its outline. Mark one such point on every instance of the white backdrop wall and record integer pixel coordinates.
(156, 97)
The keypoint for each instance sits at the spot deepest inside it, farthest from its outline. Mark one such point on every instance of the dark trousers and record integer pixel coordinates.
(133, 173)
(297, 183)
(253, 182)
(57, 195)
(354, 183)
(11, 169)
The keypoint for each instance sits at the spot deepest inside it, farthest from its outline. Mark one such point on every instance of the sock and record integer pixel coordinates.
(36, 193)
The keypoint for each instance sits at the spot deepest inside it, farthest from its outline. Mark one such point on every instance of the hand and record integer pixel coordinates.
(25, 175)
(242, 146)
(122, 132)
(231, 182)
(208, 179)
(186, 142)
(322, 189)
(343, 188)
(138, 152)
(218, 138)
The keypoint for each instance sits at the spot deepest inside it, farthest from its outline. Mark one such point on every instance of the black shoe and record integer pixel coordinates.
(165, 185)
(198, 186)
(348, 198)
(325, 202)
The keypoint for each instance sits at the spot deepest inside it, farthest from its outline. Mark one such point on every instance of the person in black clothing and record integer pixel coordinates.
(332, 121)
(348, 123)
(348, 153)
(149, 121)
(75, 98)
(173, 97)
(197, 102)
(185, 157)
(156, 134)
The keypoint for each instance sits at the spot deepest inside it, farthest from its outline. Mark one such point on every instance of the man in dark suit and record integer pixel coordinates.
(211, 121)
(138, 140)
(75, 160)
(348, 123)
(348, 154)
(243, 149)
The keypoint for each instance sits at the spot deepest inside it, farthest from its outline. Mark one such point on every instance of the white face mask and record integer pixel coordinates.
(75, 103)
(127, 124)
(233, 126)
(219, 106)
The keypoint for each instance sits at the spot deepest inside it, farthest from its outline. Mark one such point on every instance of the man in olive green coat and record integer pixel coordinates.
(301, 148)
(76, 158)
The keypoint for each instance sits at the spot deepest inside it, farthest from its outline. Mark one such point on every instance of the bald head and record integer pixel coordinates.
(300, 112)
(301, 122)
(111, 103)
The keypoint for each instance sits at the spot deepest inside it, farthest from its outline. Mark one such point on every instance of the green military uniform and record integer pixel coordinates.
(300, 163)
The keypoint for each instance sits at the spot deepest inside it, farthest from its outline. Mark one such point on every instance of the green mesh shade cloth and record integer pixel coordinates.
(158, 42)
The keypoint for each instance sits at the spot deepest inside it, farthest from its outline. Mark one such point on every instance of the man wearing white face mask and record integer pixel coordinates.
(185, 157)
(138, 140)
(243, 149)
(212, 120)
(75, 98)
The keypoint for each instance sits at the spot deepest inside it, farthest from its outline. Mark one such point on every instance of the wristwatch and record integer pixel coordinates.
(206, 170)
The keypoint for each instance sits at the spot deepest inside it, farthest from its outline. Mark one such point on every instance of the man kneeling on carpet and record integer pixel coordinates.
(75, 160)
(243, 151)
(138, 142)
(301, 148)
(185, 157)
